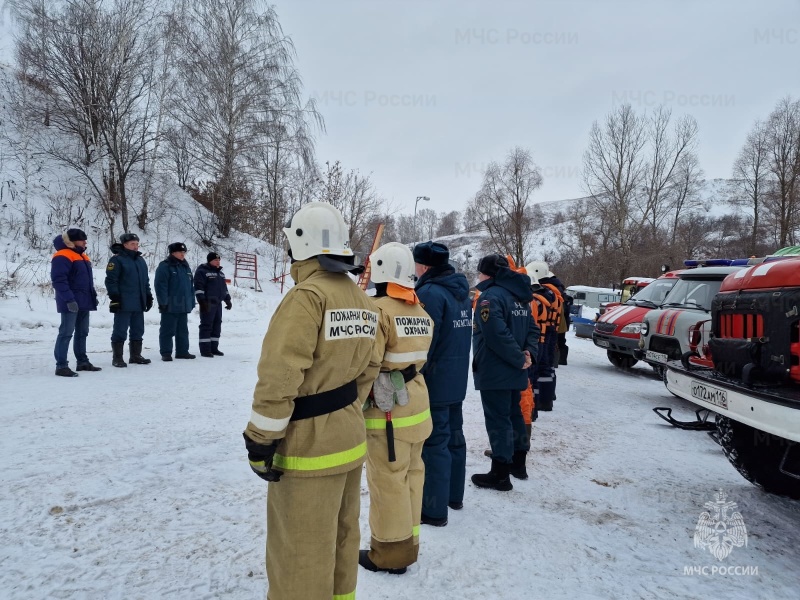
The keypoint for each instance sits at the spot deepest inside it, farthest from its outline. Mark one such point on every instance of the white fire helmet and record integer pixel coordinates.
(318, 228)
(537, 270)
(393, 263)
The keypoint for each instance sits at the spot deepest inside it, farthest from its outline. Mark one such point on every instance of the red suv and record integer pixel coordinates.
(617, 330)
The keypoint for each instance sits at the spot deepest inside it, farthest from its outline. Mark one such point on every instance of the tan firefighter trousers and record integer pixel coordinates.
(395, 501)
(313, 537)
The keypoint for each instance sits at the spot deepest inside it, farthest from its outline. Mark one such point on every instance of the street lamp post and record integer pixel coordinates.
(426, 199)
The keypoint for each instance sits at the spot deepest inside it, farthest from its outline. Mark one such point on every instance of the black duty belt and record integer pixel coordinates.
(323, 403)
(409, 373)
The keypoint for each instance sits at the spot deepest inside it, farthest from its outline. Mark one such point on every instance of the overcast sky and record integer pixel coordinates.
(423, 93)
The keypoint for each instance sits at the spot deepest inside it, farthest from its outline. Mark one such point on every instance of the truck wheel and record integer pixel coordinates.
(620, 360)
(757, 455)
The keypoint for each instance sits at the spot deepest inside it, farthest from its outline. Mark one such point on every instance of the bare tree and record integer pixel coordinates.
(614, 170)
(238, 90)
(670, 155)
(405, 228)
(503, 204)
(91, 62)
(427, 223)
(449, 224)
(180, 154)
(783, 130)
(683, 194)
(751, 175)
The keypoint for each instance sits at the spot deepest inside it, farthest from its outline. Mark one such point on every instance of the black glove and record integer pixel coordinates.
(149, 302)
(72, 306)
(260, 457)
(203, 305)
(162, 308)
(228, 305)
(115, 305)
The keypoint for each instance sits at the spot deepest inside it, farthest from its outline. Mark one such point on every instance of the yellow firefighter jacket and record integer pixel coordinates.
(320, 338)
(404, 335)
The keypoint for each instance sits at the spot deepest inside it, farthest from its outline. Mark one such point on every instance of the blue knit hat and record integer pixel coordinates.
(431, 254)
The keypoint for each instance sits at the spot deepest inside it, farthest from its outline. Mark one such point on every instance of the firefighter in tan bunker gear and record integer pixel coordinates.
(306, 434)
(398, 415)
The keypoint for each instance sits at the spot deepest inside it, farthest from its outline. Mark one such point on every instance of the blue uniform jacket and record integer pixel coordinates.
(71, 274)
(127, 278)
(173, 285)
(502, 329)
(445, 297)
(210, 286)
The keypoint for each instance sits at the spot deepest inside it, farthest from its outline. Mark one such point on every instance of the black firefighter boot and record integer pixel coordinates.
(116, 349)
(215, 349)
(518, 469)
(496, 479)
(136, 353)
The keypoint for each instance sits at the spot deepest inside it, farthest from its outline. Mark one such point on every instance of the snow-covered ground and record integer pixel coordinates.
(133, 484)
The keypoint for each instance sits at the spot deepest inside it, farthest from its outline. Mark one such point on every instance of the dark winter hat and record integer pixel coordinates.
(431, 254)
(75, 235)
(489, 265)
(128, 237)
(177, 247)
(213, 256)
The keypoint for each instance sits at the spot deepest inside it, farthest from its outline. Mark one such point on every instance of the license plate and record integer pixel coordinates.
(602, 343)
(658, 357)
(710, 394)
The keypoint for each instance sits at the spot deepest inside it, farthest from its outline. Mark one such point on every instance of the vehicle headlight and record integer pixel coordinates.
(644, 328)
(631, 328)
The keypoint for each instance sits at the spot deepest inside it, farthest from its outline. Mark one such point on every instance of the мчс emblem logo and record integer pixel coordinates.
(721, 528)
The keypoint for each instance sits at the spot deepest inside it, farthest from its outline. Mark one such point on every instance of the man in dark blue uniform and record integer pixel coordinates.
(504, 344)
(211, 291)
(445, 297)
(175, 295)
(128, 286)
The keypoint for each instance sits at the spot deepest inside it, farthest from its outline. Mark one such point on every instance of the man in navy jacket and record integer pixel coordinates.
(445, 297)
(73, 282)
(211, 291)
(128, 286)
(504, 344)
(175, 295)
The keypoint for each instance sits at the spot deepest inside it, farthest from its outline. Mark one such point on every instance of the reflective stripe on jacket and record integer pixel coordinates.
(403, 339)
(321, 336)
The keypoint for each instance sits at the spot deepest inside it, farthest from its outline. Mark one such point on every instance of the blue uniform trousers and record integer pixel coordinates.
(76, 323)
(127, 319)
(174, 325)
(445, 458)
(504, 423)
(210, 328)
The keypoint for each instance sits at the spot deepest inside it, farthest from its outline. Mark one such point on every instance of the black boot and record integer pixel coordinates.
(215, 349)
(136, 353)
(87, 367)
(116, 349)
(518, 469)
(496, 479)
(364, 561)
(432, 521)
(66, 372)
(205, 349)
(562, 356)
